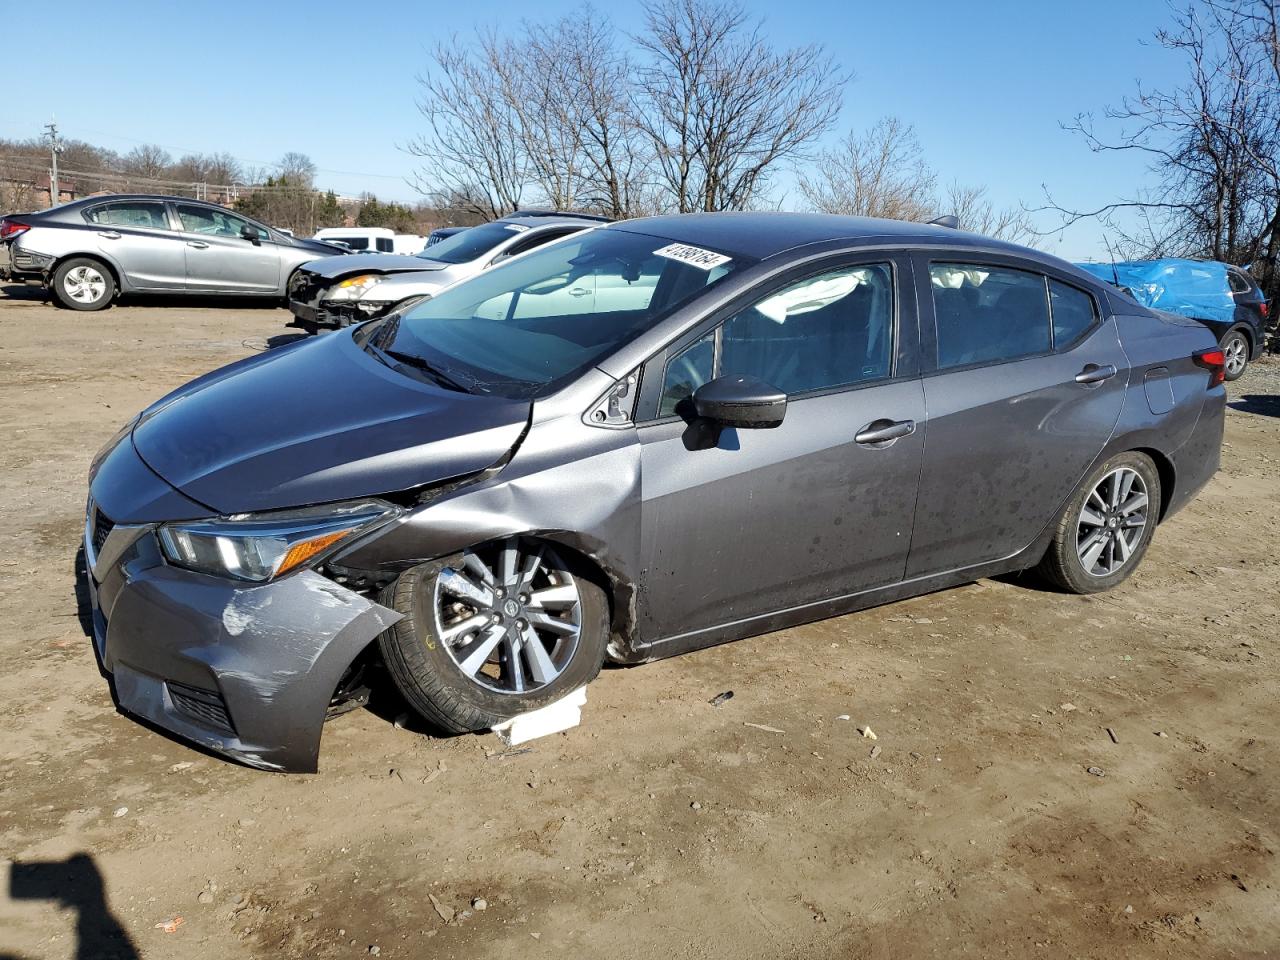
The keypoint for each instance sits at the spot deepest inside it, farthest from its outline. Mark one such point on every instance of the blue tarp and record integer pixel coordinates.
(1193, 288)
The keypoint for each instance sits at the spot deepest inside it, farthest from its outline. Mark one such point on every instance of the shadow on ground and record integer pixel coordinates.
(31, 292)
(1266, 404)
(35, 293)
(74, 884)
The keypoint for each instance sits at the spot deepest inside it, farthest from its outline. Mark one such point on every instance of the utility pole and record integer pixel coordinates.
(55, 148)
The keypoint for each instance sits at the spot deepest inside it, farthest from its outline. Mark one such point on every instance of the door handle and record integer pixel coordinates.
(1092, 373)
(198, 244)
(884, 431)
(109, 234)
(579, 292)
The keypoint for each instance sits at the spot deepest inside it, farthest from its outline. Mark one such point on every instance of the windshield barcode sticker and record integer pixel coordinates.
(694, 256)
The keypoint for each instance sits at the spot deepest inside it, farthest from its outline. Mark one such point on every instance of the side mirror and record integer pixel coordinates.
(252, 234)
(746, 402)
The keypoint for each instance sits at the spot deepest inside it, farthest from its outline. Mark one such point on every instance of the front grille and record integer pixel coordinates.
(203, 706)
(102, 527)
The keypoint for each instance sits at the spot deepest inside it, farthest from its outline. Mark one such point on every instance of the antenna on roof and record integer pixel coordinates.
(950, 221)
(1115, 274)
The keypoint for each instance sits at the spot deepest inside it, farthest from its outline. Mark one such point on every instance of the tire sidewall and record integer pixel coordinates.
(1072, 569)
(59, 278)
(423, 652)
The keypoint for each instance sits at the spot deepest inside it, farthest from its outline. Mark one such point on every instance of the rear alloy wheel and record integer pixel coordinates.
(1106, 528)
(493, 632)
(83, 284)
(1235, 349)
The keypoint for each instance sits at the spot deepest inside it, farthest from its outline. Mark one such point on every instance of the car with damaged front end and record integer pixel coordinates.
(724, 435)
(336, 292)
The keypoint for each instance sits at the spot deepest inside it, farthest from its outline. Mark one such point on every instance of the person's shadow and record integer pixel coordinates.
(77, 884)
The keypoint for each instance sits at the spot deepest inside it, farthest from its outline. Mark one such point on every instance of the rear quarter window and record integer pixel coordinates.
(1073, 313)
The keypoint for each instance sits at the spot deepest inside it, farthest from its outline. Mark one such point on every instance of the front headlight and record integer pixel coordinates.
(353, 288)
(261, 546)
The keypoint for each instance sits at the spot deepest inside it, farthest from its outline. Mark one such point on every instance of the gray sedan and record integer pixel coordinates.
(87, 251)
(749, 421)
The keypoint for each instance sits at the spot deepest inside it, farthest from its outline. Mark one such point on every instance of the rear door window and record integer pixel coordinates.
(131, 213)
(987, 314)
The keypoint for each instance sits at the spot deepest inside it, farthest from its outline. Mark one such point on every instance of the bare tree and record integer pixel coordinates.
(1213, 142)
(618, 158)
(977, 213)
(882, 173)
(720, 107)
(297, 168)
(147, 161)
(472, 147)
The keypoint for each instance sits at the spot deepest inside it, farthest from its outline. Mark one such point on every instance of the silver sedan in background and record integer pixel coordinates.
(340, 291)
(89, 250)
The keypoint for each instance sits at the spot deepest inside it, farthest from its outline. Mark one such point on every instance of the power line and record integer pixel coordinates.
(257, 163)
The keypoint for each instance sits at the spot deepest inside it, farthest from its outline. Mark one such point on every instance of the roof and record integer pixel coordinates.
(761, 235)
(548, 219)
(100, 197)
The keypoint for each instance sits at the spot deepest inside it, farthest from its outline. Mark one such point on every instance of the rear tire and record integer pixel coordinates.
(83, 283)
(463, 656)
(1106, 527)
(1235, 348)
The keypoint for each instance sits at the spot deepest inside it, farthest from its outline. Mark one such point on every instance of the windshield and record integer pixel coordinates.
(469, 244)
(524, 328)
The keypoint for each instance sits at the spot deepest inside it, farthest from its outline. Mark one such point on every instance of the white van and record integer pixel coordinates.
(372, 239)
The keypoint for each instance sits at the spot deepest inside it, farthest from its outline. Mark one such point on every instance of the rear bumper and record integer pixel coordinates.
(1197, 460)
(17, 264)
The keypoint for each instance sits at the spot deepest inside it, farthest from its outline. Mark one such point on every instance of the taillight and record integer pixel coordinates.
(1265, 309)
(1215, 361)
(12, 228)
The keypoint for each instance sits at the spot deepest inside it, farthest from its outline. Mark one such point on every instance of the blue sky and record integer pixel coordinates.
(985, 84)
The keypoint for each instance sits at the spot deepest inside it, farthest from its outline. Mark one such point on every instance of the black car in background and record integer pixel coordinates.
(1243, 339)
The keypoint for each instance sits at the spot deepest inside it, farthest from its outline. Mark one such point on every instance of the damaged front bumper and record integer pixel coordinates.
(312, 311)
(246, 670)
(336, 314)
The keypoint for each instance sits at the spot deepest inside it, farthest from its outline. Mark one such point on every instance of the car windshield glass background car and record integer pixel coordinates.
(520, 329)
(470, 244)
(988, 314)
(834, 329)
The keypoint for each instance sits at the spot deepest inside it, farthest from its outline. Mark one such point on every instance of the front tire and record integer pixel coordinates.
(493, 632)
(1105, 529)
(83, 283)
(1235, 348)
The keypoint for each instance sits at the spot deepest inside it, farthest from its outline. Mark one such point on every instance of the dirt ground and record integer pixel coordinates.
(662, 827)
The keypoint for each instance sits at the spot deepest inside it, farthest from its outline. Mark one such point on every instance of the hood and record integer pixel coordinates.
(415, 283)
(319, 246)
(332, 267)
(269, 434)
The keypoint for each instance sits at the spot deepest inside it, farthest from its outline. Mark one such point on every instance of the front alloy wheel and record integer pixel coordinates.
(494, 631)
(510, 619)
